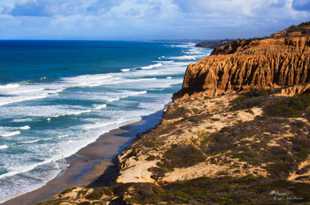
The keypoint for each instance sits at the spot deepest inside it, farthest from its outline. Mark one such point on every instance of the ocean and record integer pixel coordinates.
(57, 97)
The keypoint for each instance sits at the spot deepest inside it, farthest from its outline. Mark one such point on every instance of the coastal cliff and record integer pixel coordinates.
(237, 133)
(279, 61)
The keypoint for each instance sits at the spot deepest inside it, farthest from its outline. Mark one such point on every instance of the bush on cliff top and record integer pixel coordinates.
(181, 156)
(296, 106)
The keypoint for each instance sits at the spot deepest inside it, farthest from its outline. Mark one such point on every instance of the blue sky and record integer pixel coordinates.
(147, 19)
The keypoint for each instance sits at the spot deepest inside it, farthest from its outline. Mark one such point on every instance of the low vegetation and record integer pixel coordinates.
(222, 191)
(181, 156)
(296, 106)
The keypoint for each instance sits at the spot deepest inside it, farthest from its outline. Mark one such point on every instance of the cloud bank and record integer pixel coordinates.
(147, 19)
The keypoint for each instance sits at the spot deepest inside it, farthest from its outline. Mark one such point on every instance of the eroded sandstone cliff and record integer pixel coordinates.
(280, 61)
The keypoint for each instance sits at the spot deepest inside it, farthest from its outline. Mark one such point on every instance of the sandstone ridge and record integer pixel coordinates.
(279, 61)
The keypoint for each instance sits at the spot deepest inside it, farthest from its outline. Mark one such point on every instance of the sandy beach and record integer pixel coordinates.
(94, 164)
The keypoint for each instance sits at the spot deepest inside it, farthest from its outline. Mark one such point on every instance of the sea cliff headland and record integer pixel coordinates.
(237, 133)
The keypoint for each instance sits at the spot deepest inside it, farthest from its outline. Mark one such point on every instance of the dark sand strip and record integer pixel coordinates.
(92, 165)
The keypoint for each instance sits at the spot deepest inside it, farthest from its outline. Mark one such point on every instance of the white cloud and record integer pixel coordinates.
(128, 19)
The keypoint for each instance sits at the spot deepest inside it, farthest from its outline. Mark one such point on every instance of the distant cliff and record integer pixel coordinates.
(212, 43)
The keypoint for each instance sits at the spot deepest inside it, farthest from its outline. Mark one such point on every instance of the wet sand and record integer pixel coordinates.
(94, 165)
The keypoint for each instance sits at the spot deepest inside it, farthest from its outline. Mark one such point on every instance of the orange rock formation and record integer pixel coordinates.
(279, 61)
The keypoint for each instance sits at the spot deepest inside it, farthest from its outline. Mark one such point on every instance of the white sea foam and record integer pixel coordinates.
(26, 127)
(125, 70)
(100, 107)
(182, 45)
(124, 94)
(175, 68)
(22, 120)
(151, 66)
(62, 136)
(148, 83)
(16, 99)
(89, 80)
(17, 184)
(194, 51)
(186, 57)
(29, 92)
(112, 96)
(110, 125)
(193, 54)
(22, 169)
(65, 148)
(3, 147)
(9, 86)
(9, 134)
(78, 112)
(44, 111)
(30, 141)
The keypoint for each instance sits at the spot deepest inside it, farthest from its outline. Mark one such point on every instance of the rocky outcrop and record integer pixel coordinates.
(280, 61)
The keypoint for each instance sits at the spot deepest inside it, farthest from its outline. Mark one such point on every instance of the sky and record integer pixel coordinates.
(147, 19)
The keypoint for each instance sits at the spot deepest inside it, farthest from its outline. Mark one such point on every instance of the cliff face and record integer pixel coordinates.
(280, 61)
(237, 133)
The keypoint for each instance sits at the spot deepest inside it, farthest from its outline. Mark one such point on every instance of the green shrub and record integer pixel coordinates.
(289, 106)
(250, 99)
(181, 156)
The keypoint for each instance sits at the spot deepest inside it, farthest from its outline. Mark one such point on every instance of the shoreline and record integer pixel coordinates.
(94, 164)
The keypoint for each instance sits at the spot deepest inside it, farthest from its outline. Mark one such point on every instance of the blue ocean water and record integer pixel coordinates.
(58, 96)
